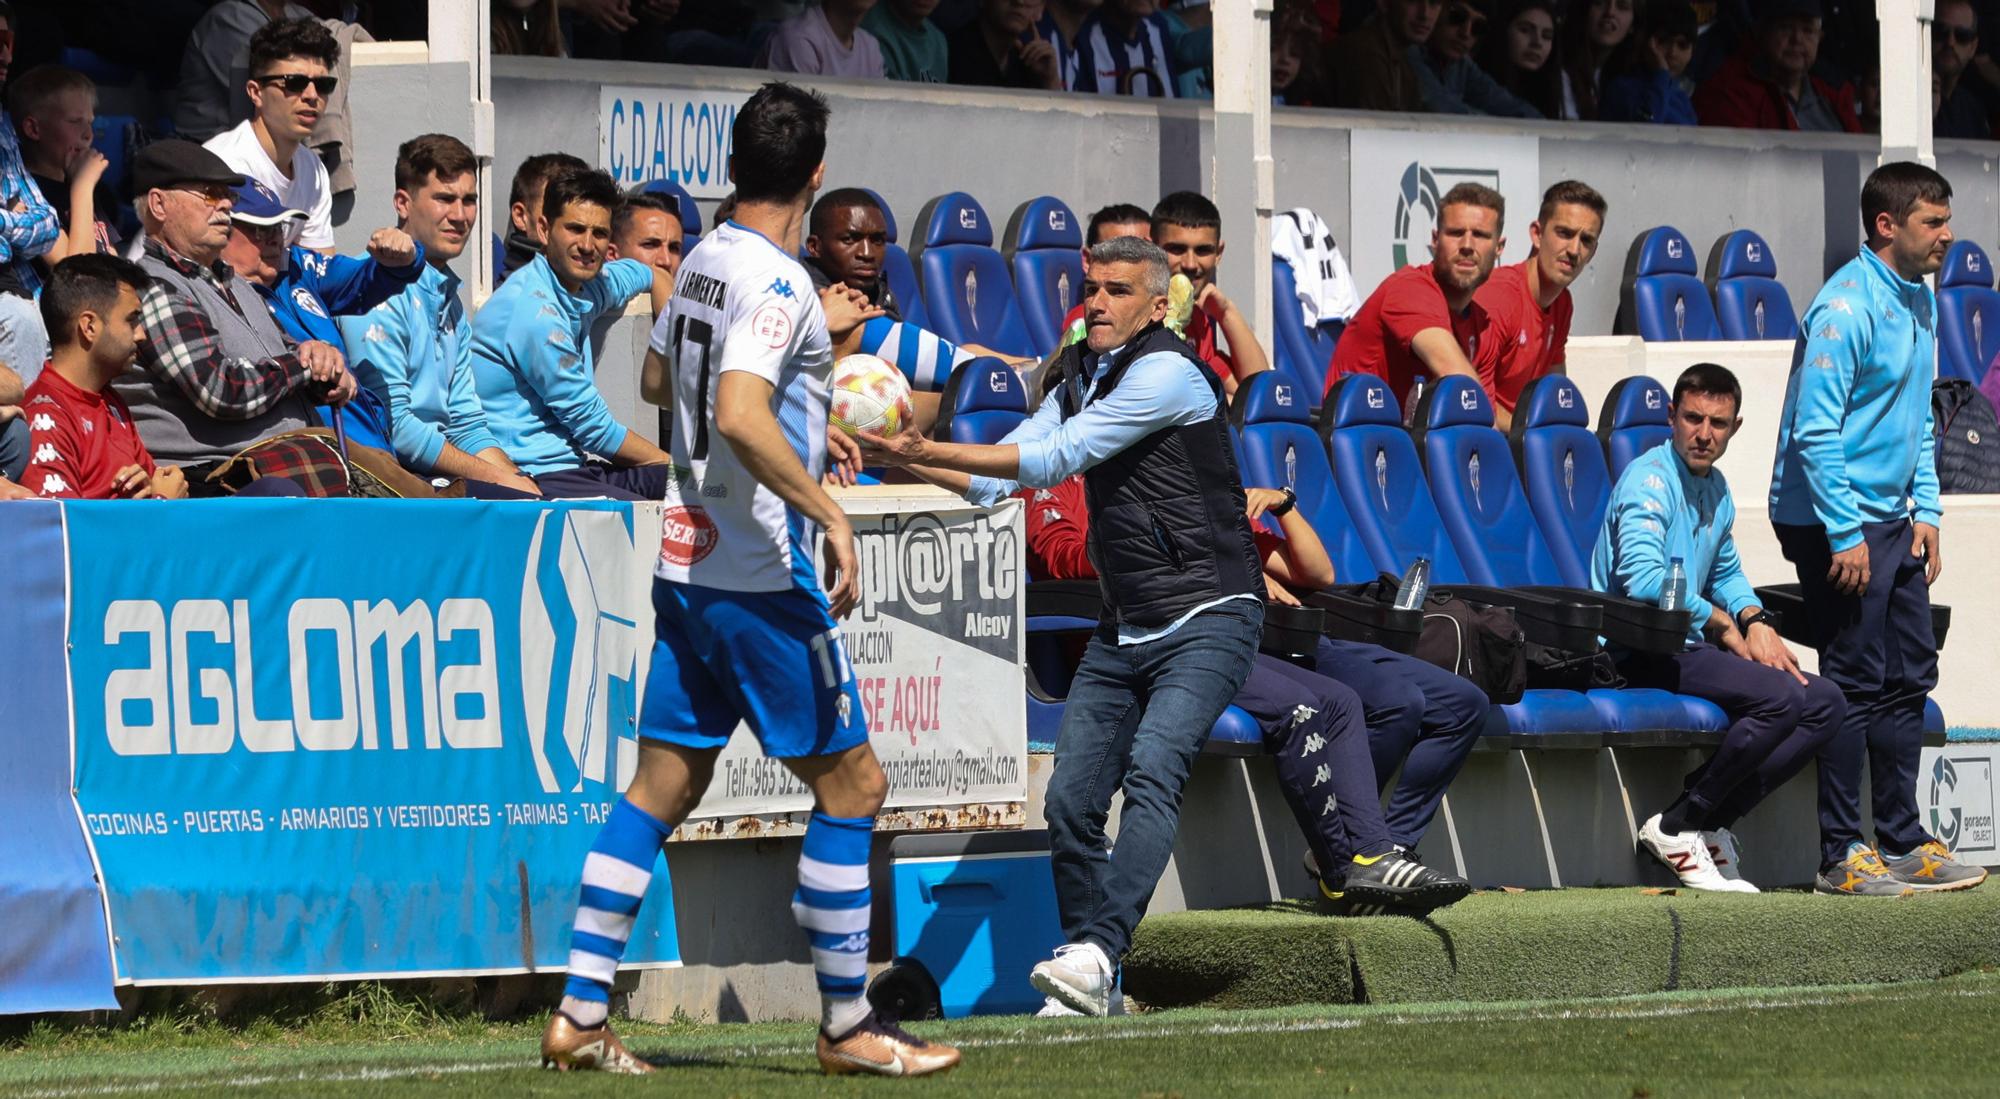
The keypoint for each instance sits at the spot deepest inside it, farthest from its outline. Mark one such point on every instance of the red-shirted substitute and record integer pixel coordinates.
(1528, 341)
(1378, 340)
(78, 440)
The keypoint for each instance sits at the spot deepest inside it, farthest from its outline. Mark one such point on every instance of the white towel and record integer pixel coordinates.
(1326, 287)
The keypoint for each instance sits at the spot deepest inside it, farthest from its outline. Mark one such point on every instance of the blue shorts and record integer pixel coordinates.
(772, 659)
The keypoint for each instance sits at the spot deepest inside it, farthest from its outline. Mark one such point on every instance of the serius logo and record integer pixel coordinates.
(1282, 393)
(913, 563)
(1058, 220)
(1676, 247)
(1468, 399)
(581, 648)
(1653, 399)
(1375, 396)
(1565, 399)
(968, 218)
(1753, 252)
(202, 654)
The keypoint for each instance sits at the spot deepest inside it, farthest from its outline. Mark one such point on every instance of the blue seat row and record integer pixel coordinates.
(1667, 301)
(1968, 314)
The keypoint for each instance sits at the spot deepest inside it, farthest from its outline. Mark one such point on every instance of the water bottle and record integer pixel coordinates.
(1673, 594)
(1416, 394)
(1416, 585)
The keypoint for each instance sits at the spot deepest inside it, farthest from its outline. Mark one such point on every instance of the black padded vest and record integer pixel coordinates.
(1167, 529)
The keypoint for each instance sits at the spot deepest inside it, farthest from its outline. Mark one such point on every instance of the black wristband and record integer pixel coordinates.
(1760, 615)
(1284, 507)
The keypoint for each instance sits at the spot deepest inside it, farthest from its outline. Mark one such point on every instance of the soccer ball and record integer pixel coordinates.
(869, 395)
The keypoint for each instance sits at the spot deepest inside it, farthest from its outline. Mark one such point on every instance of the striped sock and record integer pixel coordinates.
(615, 876)
(832, 906)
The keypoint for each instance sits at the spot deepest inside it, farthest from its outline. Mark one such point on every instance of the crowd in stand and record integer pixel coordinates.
(1764, 64)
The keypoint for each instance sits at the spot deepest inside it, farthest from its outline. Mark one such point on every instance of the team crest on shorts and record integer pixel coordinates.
(686, 536)
(844, 708)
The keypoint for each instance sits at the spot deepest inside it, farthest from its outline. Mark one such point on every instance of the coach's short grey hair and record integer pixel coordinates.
(1139, 251)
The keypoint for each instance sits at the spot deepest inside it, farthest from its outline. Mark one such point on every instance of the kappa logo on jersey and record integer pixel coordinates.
(46, 453)
(781, 288)
(686, 536)
(772, 325)
(308, 301)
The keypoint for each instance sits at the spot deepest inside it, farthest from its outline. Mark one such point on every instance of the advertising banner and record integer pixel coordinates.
(1955, 799)
(936, 648)
(676, 134)
(55, 950)
(344, 738)
(1396, 181)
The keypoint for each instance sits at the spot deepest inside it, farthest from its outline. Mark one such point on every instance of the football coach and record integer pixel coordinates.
(1144, 422)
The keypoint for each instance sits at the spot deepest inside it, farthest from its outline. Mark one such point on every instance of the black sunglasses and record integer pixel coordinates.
(295, 83)
(1461, 16)
(1964, 36)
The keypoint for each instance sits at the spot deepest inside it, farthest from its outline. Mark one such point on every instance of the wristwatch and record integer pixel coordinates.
(1761, 615)
(1284, 507)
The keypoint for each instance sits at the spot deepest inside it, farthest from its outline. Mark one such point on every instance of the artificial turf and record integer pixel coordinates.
(1925, 1038)
(1558, 944)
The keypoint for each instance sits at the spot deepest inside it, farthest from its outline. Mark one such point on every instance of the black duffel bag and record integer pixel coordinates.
(1481, 643)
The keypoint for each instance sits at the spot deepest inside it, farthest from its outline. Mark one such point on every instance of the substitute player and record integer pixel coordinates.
(744, 631)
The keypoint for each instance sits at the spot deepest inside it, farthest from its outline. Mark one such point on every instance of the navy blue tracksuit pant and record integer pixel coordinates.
(1776, 726)
(1878, 648)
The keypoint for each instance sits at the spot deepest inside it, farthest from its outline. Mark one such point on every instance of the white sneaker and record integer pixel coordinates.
(1685, 854)
(1726, 852)
(1053, 1008)
(1079, 977)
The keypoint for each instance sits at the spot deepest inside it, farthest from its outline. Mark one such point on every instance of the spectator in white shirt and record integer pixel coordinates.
(291, 65)
(825, 40)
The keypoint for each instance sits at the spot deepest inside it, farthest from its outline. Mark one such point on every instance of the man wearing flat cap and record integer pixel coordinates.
(216, 374)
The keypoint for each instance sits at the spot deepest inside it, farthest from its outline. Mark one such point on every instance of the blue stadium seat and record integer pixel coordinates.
(1048, 268)
(1968, 313)
(1562, 468)
(690, 213)
(899, 272)
(101, 70)
(1479, 497)
(1277, 448)
(967, 291)
(1635, 419)
(1668, 301)
(1750, 302)
(986, 399)
(1299, 351)
(1381, 480)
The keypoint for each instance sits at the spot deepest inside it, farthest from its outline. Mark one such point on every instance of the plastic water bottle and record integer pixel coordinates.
(1416, 585)
(1417, 384)
(1673, 594)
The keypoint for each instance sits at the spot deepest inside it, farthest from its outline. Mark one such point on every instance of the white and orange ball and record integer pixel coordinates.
(869, 395)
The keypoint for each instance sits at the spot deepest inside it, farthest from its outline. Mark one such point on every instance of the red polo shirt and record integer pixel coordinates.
(1377, 341)
(1527, 340)
(77, 440)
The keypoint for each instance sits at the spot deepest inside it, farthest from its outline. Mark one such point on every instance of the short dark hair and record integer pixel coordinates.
(1187, 209)
(302, 37)
(1669, 19)
(1475, 194)
(426, 155)
(535, 173)
(840, 198)
(1896, 188)
(1571, 192)
(777, 142)
(724, 210)
(636, 201)
(1118, 213)
(1712, 379)
(85, 283)
(33, 91)
(579, 185)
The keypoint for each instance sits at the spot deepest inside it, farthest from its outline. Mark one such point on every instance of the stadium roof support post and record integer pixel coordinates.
(1241, 174)
(1906, 79)
(463, 32)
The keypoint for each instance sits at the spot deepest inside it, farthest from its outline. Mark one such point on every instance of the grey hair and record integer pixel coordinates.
(1136, 250)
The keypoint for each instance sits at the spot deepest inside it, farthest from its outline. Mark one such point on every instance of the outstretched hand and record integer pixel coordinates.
(904, 448)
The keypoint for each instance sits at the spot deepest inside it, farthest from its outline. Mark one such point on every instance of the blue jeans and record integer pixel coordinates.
(1136, 717)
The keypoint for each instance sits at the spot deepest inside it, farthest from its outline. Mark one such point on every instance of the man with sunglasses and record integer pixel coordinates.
(1954, 43)
(290, 82)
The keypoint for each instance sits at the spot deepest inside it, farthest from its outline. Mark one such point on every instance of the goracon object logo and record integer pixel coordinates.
(1419, 199)
(1944, 822)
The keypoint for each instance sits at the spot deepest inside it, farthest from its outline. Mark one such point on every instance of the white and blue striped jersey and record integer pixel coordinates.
(740, 303)
(925, 358)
